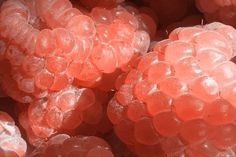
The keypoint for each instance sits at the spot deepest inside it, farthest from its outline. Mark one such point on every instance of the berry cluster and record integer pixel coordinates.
(179, 100)
(117, 78)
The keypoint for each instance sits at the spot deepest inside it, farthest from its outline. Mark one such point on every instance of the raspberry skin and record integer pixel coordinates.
(67, 53)
(63, 145)
(69, 110)
(12, 144)
(178, 95)
(80, 74)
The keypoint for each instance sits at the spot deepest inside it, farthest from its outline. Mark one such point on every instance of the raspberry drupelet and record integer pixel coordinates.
(65, 146)
(179, 100)
(218, 10)
(11, 142)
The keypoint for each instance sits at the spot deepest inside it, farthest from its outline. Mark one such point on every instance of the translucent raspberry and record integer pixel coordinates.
(141, 42)
(11, 89)
(173, 86)
(14, 55)
(84, 44)
(204, 148)
(21, 32)
(167, 124)
(64, 145)
(215, 114)
(205, 88)
(45, 43)
(101, 15)
(223, 136)
(102, 33)
(226, 76)
(210, 57)
(227, 93)
(122, 51)
(178, 50)
(194, 131)
(66, 110)
(89, 74)
(64, 40)
(155, 98)
(103, 56)
(144, 132)
(179, 97)
(11, 141)
(82, 26)
(159, 72)
(121, 30)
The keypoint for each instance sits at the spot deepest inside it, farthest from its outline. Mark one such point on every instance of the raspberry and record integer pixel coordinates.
(178, 95)
(82, 26)
(64, 145)
(65, 110)
(69, 73)
(11, 141)
(94, 48)
(77, 49)
(21, 32)
(121, 31)
(222, 11)
(101, 15)
(104, 58)
(141, 42)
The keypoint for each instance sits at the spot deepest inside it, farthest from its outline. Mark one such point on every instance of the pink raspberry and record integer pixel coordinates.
(79, 49)
(179, 99)
(63, 145)
(69, 110)
(12, 144)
